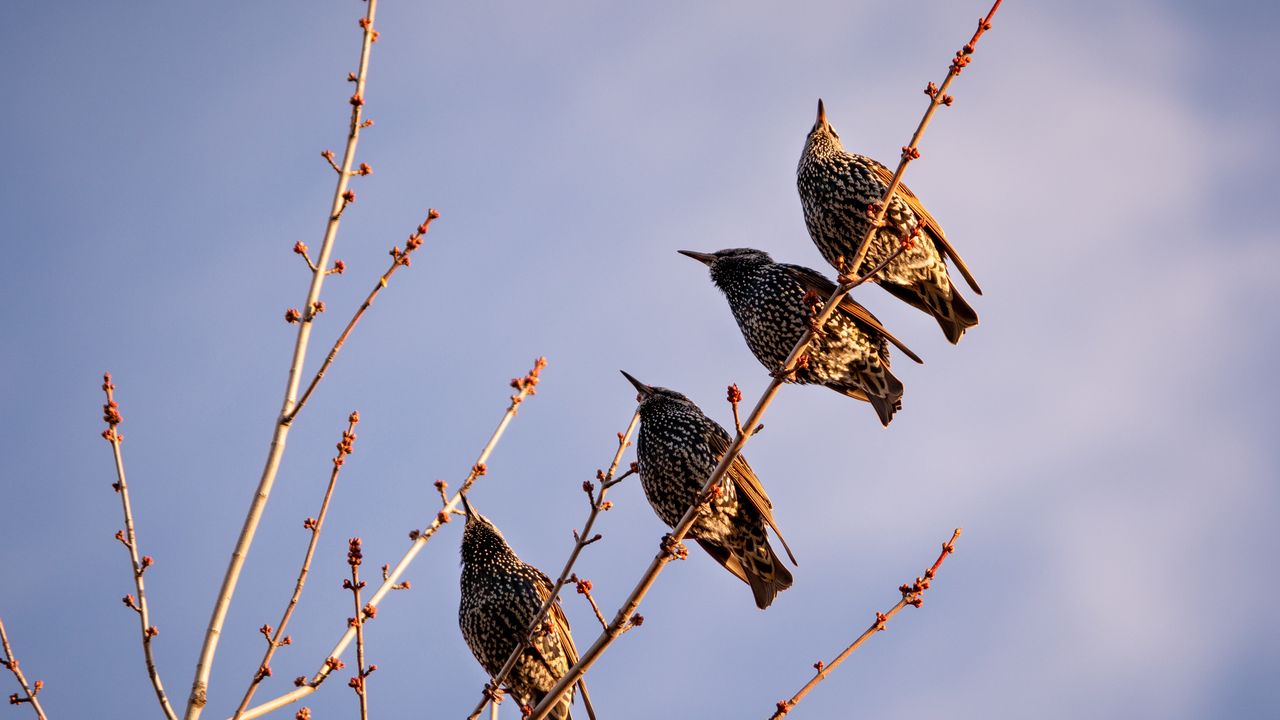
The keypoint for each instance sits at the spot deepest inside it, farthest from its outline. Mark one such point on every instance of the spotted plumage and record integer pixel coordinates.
(501, 594)
(836, 190)
(768, 299)
(677, 448)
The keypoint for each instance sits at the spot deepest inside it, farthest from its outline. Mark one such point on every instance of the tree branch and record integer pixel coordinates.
(342, 197)
(358, 682)
(129, 538)
(912, 594)
(398, 258)
(31, 692)
(278, 638)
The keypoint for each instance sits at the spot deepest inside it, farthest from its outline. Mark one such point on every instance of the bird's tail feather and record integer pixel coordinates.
(766, 573)
(961, 318)
(954, 314)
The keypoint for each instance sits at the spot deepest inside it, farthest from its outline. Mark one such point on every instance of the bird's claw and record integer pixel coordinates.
(673, 548)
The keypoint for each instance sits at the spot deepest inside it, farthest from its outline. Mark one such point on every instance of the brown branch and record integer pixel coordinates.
(30, 692)
(398, 258)
(524, 386)
(358, 682)
(300, 248)
(673, 540)
(129, 538)
(277, 638)
(328, 156)
(912, 594)
(342, 196)
(734, 396)
(581, 539)
(584, 589)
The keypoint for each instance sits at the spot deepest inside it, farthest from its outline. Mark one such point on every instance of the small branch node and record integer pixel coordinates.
(672, 548)
(328, 156)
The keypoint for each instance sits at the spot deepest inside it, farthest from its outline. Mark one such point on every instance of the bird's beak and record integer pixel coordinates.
(467, 507)
(644, 390)
(704, 258)
(821, 122)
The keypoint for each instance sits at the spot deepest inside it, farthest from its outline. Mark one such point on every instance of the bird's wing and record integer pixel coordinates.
(559, 623)
(930, 225)
(810, 279)
(748, 485)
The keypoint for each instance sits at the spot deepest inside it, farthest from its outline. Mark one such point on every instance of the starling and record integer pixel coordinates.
(774, 303)
(837, 191)
(678, 448)
(501, 594)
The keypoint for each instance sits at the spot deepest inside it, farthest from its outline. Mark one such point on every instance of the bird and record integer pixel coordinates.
(501, 595)
(775, 303)
(837, 191)
(677, 449)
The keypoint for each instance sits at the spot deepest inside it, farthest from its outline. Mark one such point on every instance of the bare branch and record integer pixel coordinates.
(618, 624)
(300, 248)
(129, 538)
(341, 198)
(584, 588)
(734, 396)
(358, 682)
(278, 638)
(524, 386)
(912, 594)
(399, 258)
(30, 692)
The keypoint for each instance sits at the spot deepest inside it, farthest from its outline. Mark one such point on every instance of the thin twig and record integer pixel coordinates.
(30, 692)
(524, 386)
(584, 588)
(912, 594)
(734, 396)
(342, 196)
(586, 700)
(277, 638)
(300, 248)
(398, 258)
(359, 682)
(581, 539)
(671, 545)
(129, 538)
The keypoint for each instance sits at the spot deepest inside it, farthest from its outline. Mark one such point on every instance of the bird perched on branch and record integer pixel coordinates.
(775, 303)
(840, 190)
(501, 594)
(678, 448)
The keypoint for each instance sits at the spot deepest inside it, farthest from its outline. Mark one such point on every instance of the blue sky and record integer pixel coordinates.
(1106, 436)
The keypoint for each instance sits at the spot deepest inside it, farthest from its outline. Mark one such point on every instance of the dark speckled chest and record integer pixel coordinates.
(675, 460)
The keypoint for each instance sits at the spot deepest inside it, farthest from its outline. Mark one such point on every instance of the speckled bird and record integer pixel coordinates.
(838, 187)
(677, 449)
(501, 594)
(771, 302)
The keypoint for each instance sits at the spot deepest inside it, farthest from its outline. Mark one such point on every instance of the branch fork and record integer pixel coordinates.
(30, 691)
